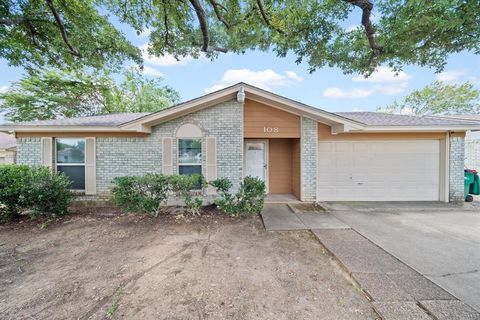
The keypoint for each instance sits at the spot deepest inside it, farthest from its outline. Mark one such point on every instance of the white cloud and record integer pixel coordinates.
(4, 89)
(266, 79)
(456, 77)
(357, 110)
(151, 71)
(383, 81)
(391, 89)
(292, 75)
(165, 60)
(382, 75)
(335, 92)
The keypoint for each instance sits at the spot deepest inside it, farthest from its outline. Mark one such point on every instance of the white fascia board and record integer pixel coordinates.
(442, 128)
(16, 128)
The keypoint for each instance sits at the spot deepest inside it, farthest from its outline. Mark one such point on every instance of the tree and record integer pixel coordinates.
(421, 32)
(59, 33)
(52, 94)
(437, 99)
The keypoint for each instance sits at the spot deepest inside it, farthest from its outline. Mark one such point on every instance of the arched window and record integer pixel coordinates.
(189, 139)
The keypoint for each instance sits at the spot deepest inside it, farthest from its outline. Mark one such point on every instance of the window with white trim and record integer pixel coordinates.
(189, 156)
(70, 159)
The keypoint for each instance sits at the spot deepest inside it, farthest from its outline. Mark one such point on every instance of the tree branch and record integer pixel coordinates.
(367, 6)
(63, 32)
(12, 21)
(219, 15)
(265, 17)
(203, 23)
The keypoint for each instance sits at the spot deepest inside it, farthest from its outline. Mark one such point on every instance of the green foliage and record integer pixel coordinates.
(31, 36)
(136, 93)
(143, 194)
(50, 194)
(247, 201)
(183, 185)
(52, 94)
(400, 33)
(423, 33)
(37, 190)
(251, 195)
(437, 99)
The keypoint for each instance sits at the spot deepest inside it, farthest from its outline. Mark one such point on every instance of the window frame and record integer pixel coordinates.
(200, 164)
(73, 164)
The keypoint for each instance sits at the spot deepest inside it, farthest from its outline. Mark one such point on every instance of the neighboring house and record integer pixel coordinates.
(472, 141)
(8, 145)
(242, 130)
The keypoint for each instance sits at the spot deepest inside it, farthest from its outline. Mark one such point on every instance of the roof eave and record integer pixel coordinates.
(36, 129)
(422, 128)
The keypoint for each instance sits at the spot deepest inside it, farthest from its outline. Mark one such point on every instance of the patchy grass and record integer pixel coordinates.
(115, 303)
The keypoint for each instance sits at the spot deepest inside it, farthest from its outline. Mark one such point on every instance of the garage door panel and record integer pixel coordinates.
(379, 170)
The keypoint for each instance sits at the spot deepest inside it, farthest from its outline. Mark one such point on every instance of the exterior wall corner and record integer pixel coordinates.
(456, 166)
(309, 154)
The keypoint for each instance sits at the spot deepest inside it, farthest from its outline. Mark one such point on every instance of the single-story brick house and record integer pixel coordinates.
(242, 130)
(8, 145)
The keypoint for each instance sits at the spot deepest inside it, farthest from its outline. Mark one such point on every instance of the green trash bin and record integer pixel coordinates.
(468, 180)
(475, 185)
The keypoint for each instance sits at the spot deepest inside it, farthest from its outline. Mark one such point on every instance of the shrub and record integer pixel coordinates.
(248, 200)
(141, 193)
(51, 194)
(251, 195)
(183, 185)
(35, 189)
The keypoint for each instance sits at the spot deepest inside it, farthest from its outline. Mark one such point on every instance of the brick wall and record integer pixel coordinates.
(121, 156)
(309, 159)
(456, 166)
(29, 151)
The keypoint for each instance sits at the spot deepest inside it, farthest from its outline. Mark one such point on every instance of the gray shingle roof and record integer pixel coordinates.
(108, 120)
(368, 118)
(7, 141)
(467, 117)
(386, 119)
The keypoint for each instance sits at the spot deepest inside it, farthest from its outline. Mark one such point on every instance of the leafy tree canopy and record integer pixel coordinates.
(421, 32)
(52, 94)
(61, 33)
(438, 99)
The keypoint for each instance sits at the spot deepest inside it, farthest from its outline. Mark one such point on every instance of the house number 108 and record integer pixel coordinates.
(270, 129)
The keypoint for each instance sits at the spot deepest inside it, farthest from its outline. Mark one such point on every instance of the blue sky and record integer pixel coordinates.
(327, 88)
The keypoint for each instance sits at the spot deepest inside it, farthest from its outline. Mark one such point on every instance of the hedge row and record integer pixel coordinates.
(148, 193)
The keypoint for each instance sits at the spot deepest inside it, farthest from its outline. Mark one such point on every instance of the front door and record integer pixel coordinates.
(256, 162)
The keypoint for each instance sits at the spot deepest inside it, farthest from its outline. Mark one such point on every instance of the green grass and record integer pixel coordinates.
(115, 303)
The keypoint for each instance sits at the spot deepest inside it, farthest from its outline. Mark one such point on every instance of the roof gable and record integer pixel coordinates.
(240, 92)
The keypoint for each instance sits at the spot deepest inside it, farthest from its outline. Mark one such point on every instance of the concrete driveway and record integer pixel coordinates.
(441, 241)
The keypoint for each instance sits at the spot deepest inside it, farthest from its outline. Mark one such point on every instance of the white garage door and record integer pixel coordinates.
(379, 170)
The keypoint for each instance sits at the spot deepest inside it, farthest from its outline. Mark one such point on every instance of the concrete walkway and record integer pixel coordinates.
(279, 217)
(396, 290)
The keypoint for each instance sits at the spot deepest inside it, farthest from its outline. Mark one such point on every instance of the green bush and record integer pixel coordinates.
(184, 185)
(251, 195)
(247, 201)
(34, 190)
(141, 193)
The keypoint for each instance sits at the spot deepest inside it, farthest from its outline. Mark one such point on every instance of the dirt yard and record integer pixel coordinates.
(134, 267)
